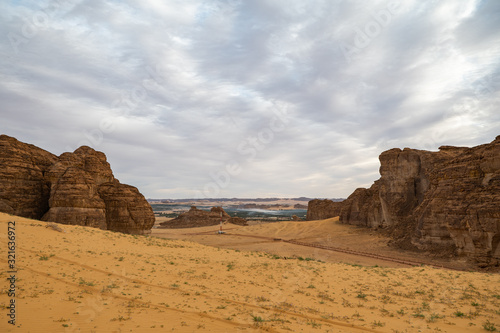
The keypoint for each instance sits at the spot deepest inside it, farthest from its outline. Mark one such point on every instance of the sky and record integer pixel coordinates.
(249, 98)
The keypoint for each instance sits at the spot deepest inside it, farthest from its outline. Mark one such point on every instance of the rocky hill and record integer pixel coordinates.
(75, 188)
(201, 218)
(318, 209)
(446, 201)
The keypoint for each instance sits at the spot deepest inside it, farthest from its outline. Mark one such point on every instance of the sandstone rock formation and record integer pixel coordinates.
(74, 188)
(299, 206)
(318, 209)
(237, 220)
(201, 218)
(445, 200)
(24, 190)
(126, 208)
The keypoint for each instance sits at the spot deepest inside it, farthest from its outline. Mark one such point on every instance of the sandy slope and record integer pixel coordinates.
(90, 280)
(325, 232)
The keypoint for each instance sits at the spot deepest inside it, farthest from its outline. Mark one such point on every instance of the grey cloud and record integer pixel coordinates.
(481, 28)
(188, 87)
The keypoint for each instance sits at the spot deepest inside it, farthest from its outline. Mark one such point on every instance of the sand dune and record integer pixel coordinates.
(325, 232)
(89, 280)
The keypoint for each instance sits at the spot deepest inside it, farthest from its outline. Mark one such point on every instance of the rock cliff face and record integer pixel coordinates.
(74, 188)
(201, 218)
(322, 209)
(24, 190)
(445, 200)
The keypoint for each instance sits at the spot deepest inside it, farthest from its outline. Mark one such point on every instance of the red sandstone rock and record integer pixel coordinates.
(441, 200)
(74, 200)
(74, 188)
(126, 209)
(24, 191)
(322, 209)
(201, 218)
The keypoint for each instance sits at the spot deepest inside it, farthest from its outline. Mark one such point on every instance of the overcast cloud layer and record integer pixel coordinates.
(255, 98)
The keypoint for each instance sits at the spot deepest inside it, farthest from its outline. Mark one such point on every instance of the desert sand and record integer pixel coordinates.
(82, 279)
(330, 232)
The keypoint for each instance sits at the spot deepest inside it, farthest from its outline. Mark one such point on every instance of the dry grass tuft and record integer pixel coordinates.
(54, 226)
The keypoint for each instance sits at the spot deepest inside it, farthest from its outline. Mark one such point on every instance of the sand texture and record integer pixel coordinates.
(82, 279)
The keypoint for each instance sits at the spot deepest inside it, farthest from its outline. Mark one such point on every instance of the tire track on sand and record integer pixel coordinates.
(179, 290)
(130, 299)
(411, 263)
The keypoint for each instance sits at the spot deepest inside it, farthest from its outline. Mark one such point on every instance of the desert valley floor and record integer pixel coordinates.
(80, 279)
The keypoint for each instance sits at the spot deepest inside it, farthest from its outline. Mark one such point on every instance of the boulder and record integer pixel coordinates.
(444, 200)
(75, 188)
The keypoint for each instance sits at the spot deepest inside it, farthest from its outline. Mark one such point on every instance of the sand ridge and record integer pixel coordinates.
(89, 280)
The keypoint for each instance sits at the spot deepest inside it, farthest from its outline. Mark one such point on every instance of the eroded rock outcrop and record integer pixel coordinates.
(24, 190)
(75, 188)
(201, 218)
(445, 200)
(318, 209)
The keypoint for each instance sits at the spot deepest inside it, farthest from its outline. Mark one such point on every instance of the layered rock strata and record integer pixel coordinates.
(24, 189)
(444, 200)
(75, 188)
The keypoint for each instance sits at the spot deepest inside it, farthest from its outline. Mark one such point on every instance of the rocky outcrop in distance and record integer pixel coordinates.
(201, 218)
(318, 209)
(446, 201)
(75, 188)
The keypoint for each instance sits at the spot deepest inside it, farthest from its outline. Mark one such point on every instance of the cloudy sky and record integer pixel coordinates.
(249, 98)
